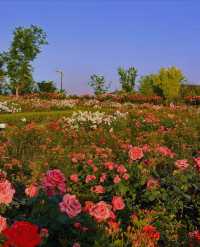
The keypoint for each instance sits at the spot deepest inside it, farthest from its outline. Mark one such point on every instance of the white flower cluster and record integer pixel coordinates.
(92, 120)
(10, 107)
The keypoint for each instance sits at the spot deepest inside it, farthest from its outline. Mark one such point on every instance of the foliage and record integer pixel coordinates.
(142, 171)
(98, 84)
(25, 47)
(46, 87)
(190, 90)
(127, 78)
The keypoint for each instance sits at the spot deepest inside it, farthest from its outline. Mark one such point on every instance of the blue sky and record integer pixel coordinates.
(98, 36)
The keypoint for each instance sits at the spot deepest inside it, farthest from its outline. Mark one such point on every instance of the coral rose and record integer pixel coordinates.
(100, 211)
(31, 191)
(6, 192)
(181, 164)
(118, 203)
(3, 223)
(135, 153)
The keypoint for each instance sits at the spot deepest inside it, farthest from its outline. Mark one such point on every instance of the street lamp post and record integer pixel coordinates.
(61, 78)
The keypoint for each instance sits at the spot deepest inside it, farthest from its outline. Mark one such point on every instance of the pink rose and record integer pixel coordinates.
(99, 189)
(89, 178)
(100, 211)
(118, 203)
(181, 164)
(109, 165)
(6, 192)
(121, 169)
(116, 179)
(136, 153)
(197, 161)
(165, 151)
(54, 180)
(152, 183)
(76, 245)
(3, 224)
(126, 176)
(74, 178)
(88, 206)
(103, 177)
(31, 191)
(70, 205)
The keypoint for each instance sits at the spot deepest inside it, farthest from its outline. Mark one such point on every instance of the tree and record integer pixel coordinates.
(46, 87)
(25, 47)
(169, 80)
(127, 78)
(147, 86)
(98, 84)
(2, 73)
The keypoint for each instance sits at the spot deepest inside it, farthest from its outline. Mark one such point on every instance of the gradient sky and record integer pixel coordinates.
(98, 36)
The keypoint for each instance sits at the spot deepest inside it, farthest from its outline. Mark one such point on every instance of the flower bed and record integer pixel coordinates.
(131, 181)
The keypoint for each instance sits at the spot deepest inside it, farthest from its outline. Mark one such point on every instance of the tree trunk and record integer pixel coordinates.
(17, 92)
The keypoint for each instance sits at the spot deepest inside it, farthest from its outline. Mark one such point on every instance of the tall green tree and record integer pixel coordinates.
(26, 45)
(127, 78)
(2, 73)
(98, 83)
(46, 87)
(169, 80)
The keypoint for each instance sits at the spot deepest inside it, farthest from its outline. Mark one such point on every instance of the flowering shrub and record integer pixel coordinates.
(9, 107)
(131, 180)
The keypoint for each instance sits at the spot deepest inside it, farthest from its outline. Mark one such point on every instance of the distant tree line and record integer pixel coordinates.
(16, 72)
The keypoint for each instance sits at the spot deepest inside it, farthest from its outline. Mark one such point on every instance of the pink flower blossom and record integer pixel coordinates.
(54, 180)
(116, 179)
(197, 161)
(100, 211)
(136, 153)
(3, 224)
(6, 192)
(121, 169)
(70, 205)
(126, 176)
(165, 151)
(118, 203)
(109, 165)
(152, 183)
(31, 191)
(103, 177)
(74, 178)
(98, 189)
(89, 178)
(181, 164)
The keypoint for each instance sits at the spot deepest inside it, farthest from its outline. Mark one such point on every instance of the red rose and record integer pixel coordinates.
(22, 234)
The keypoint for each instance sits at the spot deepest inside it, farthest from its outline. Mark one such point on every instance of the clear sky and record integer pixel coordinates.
(98, 36)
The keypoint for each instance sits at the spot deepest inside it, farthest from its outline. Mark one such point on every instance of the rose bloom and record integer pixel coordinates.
(103, 177)
(113, 226)
(94, 168)
(89, 178)
(6, 192)
(88, 206)
(181, 164)
(126, 176)
(74, 178)
(152, 183)
(116, 179)
(197, 160)
(135, 153)
(195, 235)
(22, 234)
(165, 151)
(31, 191)
(121, 169)
(76, 245)
(100, 211)
(70, 205)
(3, 224)
(118, 203)
(109, 165)
(54, 179)
(90, 162)
(99, 189)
